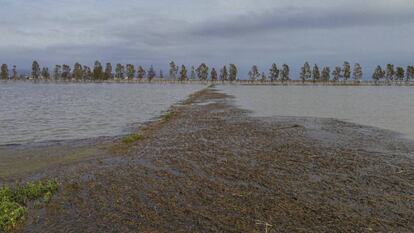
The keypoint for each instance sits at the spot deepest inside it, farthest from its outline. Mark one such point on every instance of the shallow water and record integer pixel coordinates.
(389, 108)
(42, 112)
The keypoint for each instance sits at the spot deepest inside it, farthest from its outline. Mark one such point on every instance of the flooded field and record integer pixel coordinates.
(42, 112)
(389, 108)
(212, 167)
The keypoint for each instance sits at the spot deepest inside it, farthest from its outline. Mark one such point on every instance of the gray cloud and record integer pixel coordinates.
(216, 32)
(288, 19)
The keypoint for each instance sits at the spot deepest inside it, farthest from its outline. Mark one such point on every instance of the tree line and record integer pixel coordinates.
(339, 73)
(391, 73)
(98, 72)
(121, 72)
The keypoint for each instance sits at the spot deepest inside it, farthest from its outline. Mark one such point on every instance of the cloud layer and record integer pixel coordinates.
(217, 32)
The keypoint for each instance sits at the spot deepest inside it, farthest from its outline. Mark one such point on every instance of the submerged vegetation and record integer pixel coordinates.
(122, 147)
(167, 116)
(203, 72)
(14, 201)
(132, 138)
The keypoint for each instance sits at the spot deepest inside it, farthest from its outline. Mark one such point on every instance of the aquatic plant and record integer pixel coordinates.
(11, 213)
(167, 116)
(13, 201)
(132, 138)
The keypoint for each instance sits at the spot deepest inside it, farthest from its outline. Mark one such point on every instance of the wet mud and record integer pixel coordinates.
(210, 167)
(31, 162)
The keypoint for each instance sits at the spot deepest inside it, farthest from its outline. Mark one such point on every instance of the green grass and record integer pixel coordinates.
(13, 201)
(167, 116)
(132, 138)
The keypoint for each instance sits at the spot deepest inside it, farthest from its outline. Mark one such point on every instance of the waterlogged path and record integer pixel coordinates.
(211, 167)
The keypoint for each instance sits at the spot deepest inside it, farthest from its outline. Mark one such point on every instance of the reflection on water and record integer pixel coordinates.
(42, 112)
(384, 107)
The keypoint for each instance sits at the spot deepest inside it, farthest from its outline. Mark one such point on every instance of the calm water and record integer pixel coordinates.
(43, 112)
(384, 107)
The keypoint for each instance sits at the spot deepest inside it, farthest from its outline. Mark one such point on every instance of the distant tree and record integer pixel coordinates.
(4, 73)
(193, 75)
(224, 75)
(57, 72)
(378, 74)
(390, 73)
(173, 70)
(45, 73)
(87, 73)
(254, 73)
(407, 73)
(183, 73)
(284, 75)
(161, 75)
(302, 74)
(305, 72)
(357, 74)
(336, 73)
(130, 69)
(141, 73)
(108, 71)
(202, 72)
(263, 77)
(274, 73)
(66, 72)
(14, 72)
(151, 74)
(346, 71)
(233, 72)
(410, 73)
(98, 71)
(316, 74)
(326, 74)
(382, 74)
(77, 71)
(119, 71)
(35, 70)
(400, 73)
(214, 75)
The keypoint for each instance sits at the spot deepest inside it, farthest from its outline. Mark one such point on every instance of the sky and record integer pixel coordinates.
(217, 32)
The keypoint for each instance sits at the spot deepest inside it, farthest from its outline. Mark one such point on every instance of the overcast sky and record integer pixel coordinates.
(217, 32)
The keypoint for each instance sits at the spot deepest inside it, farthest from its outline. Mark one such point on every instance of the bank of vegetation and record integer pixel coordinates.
(14, 201)
(344, 74)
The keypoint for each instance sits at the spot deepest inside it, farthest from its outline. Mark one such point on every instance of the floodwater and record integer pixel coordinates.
(43, 112)
(390, 108)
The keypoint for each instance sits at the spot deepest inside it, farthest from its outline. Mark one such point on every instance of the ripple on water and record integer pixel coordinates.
(389, 107)
(42, 112)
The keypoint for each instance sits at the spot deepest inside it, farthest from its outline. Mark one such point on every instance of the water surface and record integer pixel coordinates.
(42, 112)
(389, 108)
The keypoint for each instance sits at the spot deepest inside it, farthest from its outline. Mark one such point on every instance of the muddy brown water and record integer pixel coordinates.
(212, 167)
(387, 107)
(33, 113)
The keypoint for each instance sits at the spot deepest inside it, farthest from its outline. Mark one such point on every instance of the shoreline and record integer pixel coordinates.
(209, 166)
(44, 155)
